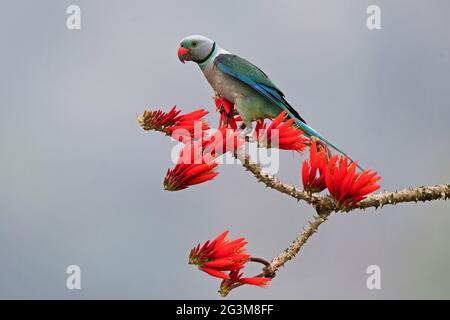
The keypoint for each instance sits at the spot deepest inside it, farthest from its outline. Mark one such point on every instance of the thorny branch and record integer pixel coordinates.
(325, 205)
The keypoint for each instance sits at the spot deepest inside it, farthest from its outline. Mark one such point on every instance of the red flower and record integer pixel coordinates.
(221, 254)
(196, 162)
(209, 148)
(235, 279)
(158, 119)
(224, 104)
(227, 113)
(222, 141)
(172, 123)
(313, 171)
(185, 175)
(347, 186)
(189, 125)
(281, 135)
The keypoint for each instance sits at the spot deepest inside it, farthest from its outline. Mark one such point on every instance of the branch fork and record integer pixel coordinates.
(172, 122)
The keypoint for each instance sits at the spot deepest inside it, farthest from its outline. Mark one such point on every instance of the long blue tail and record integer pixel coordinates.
(313, 133)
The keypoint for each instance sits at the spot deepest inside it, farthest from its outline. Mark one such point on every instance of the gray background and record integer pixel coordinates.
(81, 183)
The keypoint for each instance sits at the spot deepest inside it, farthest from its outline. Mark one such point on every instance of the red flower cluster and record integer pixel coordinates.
(281, 135)
(196, 162)
(236, 279)
(211, 147)
(215, 257)
(227, 113)
(223, 255)
(185, 175)
(172, 123)
(313, 171)
(347, 186)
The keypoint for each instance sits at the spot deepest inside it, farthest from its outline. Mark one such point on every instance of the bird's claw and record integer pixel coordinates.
(247, 134)
(249, 138)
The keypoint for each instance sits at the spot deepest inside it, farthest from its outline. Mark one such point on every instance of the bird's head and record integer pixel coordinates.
(195, 48)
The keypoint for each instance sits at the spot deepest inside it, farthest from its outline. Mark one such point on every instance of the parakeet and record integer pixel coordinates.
(239, 81)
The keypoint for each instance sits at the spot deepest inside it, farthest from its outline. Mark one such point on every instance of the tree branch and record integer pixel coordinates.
(296, 245)
(324, 203)
(272, 181)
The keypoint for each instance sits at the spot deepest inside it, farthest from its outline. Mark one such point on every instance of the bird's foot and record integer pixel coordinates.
(247, 134)
(249, 138)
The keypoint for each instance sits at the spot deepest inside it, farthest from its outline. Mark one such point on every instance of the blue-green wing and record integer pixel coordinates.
(254, 77)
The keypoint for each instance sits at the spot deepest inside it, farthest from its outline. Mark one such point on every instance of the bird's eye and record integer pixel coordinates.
(194, 44)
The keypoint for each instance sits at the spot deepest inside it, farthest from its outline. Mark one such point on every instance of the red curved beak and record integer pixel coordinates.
(182, 53)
